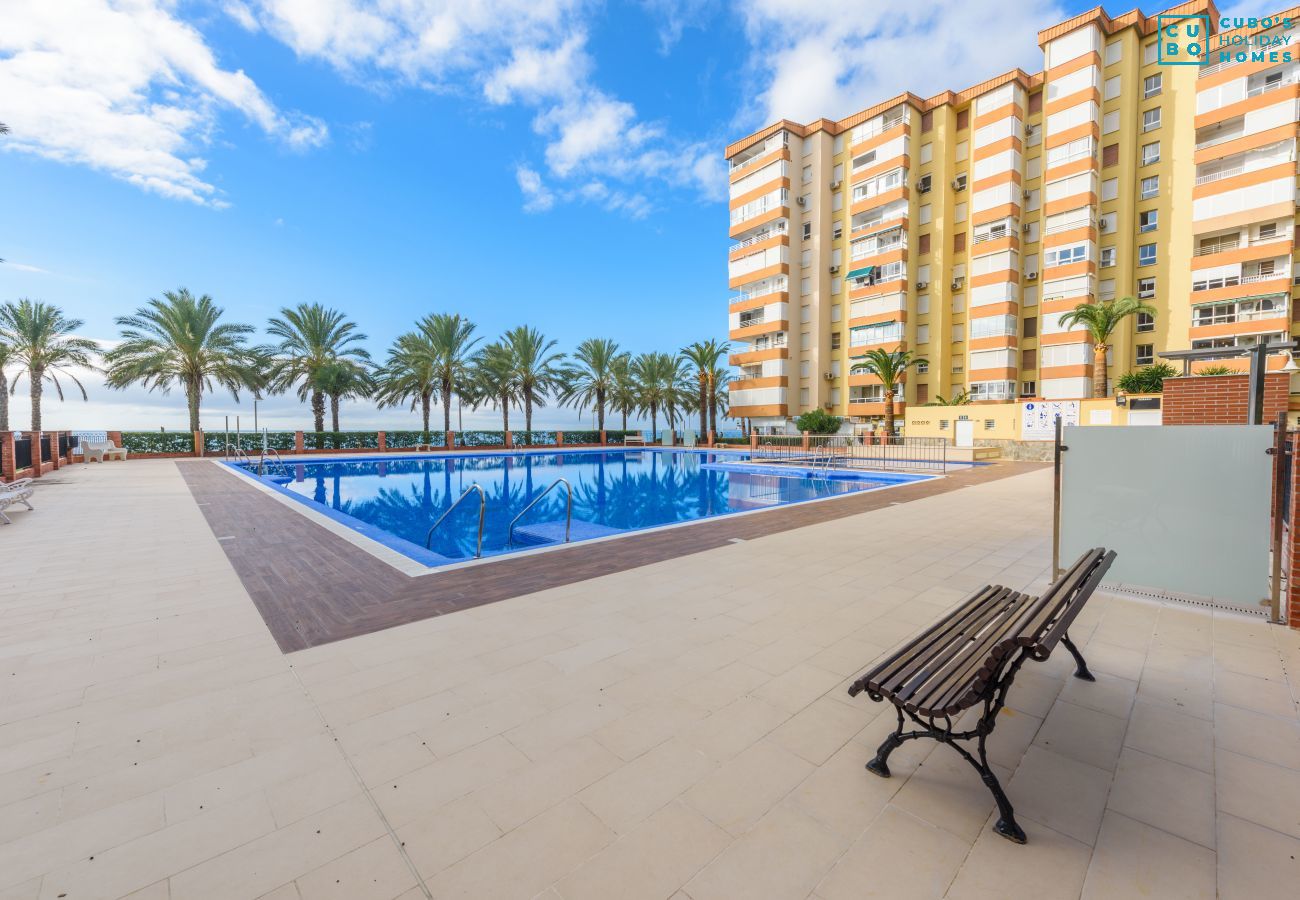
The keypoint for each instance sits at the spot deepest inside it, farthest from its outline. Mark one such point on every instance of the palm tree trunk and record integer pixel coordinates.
(654, 423)
(1099, 370)
(889, 415)
(624, 411)
(318, 409)
(425, 405)
(600, 408)
(4, 402)
(704, 405)
(37, 387)
(528, 411)
(334, 412)
(505, 412)
(192, 401)
(446, 405)
(713, 413)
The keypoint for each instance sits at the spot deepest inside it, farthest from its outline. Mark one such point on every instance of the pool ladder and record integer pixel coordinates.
(482, 510)
(280, 464)
(568, 510)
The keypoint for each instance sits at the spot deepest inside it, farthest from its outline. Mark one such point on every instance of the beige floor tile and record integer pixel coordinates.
(647, 726)
(447, 835)
(1136, 860)
(650, 862)
(1122, 662)
(462, 773)
(842, 795)
(898, 856)
(376, 870)
(1195, 697)
(1254, 661)
(634, 791)
(1052, 863)
(525, 861)
(537, 787)
(1162, 731)
(822, 728)
(780, 858)
(1256, 863)
(731, 729)
(1065, 795)
(946, 791)
(1166, 795)
(1257, 694)
(1034, 692)
(1254, 734)
(795, 689)
(1109, 694)
(738, 795)
(1084, 734)
(1258, 792)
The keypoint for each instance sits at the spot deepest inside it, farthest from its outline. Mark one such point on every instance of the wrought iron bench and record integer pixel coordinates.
(969, 658)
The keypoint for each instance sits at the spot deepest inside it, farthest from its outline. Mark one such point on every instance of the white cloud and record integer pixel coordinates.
(537, 196)
(675, 16)
(129, 89)
(536, 73)
(836, 57)
(23, 267)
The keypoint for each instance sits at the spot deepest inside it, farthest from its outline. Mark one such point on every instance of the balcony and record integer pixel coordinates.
(745, 157)
(867, 130)
(771, 230)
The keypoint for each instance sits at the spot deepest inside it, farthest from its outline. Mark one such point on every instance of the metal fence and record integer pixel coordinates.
(23, 453)
(45, 448)
(861, 451)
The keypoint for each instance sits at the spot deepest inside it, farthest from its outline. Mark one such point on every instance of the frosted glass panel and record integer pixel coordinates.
(1186, 507)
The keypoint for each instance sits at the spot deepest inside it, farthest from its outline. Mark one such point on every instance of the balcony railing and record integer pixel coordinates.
(869, 130)
(1230, 318)
(1268, 86)
(777, 140)
(1220, 247)
(1222, 173)
(774, 231)
(992, 236)
(1067, 226)
(1221, 138)
(751, 321)
(1206, 71)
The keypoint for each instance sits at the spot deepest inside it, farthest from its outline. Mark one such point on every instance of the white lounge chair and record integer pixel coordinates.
(19, 491)
(98, 451)
(633, 440)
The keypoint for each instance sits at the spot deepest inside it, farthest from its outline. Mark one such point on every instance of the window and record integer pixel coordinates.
(927, 152)
(1268, 232)
(959, 212)
(1146, 322)
(923, 184)
(963, 119)
(1146, 288)
(805, 314)
(837, 311)
(837, 201)
(1110, 123)
(804, 396)
(923, 367)
(805, 369)
(923, 244)
(1064, 256)
(1110, 155)
(1150, 187)
(958, 334)
(1147, 255)
(1146, 354)
(958, 302)
(959, 183)
(1031, 327)
(1114, 52)
(1150, 153)
(923, 214)
(837, 230)
(1029, 359)
(922, 304)
(1148, 220)
(922, 394)
(1150, 53)
(1028, 388)
(835, 340)
(923, 334)
(837, 285)
(807, 174)
(805, 287)
(807, 233)
(960, 152)
(927, 121)
(1151, 119)
(1036, 102)
(1112, 88)
(1110, 189)
(1107, 257)
(805, 259)
(1151, 86)
(959, 242)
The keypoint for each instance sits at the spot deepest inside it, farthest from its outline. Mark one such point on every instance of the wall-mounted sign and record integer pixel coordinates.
(1038, 418)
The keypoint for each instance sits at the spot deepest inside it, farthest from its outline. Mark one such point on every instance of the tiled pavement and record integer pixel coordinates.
(678, 730)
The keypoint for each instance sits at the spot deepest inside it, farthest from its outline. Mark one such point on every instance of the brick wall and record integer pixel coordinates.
(1221, 399)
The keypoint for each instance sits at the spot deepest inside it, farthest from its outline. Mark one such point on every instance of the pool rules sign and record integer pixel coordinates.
(1038, 418)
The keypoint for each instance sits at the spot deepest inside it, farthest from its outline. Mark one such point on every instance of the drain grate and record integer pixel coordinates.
(1124, 590)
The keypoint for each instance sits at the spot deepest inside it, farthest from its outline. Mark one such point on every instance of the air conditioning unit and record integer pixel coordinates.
(802, 201)
(1025, 227)
(835, 185)
(956, 285)
(1102, 225)
(828, 376)
(1024, 195)
(958, 184)
(923, 184)
(922, 285)
(835, 270)
(1031, 276)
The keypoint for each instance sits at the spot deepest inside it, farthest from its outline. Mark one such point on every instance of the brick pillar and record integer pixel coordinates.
(711, 439)
(603, 440)
(753, 440)
(8, 456)
(451, 440)
(807, 441)
(559, 438)
(510, 440)
(198, 442)
(116, 438)
(383, 443)
(298, 443)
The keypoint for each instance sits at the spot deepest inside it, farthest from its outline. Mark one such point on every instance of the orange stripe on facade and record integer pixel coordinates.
(1280, 285)
(1065, 204)
(1069, 100)
(1246, 142)
(872, 171)
(1230, 329)
(759, 301)
(777, 240)
(1287, 93)
(1073, 167)
(1009, 176)
(1056, 139)
(988, 248)
(900, 193)
(756, 356)
(740, 334)
(1278, 172)
(997, 342)
(760, 274)
(1002, 374)
(1267, 250)
(762, 190)
(758, 162)
(889, 134)
(1002, 146)
(995, 214)
(1070, 236)
(780, 212)
(1000, 277)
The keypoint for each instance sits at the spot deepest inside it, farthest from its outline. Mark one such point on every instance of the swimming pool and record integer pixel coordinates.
(396, 500)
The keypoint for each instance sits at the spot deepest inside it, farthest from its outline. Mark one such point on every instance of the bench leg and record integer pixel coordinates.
(879, 764)
(1080, 667)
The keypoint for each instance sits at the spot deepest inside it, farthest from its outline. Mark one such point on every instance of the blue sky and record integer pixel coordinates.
(555, 162)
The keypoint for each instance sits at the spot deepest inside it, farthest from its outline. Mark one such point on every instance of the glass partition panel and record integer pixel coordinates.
(1186, 508)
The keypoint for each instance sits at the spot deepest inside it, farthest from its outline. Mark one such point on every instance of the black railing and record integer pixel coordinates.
(22, 453)
(66, 444)
(854, 451)
(1284, 480)
(45, 448)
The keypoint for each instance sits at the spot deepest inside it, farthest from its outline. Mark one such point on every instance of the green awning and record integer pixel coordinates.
(860, 273)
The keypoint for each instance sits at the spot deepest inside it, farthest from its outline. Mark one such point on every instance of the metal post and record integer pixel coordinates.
(226, 454)
(237, 432)
(1056, 503)
(1280, 462)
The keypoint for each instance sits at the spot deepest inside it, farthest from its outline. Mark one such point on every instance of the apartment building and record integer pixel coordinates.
(963, 226)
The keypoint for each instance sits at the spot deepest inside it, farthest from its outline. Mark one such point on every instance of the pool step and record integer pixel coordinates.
(538, 533)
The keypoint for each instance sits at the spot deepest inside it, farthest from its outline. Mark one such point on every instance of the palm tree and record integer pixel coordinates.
(961, 398)
(408, 374)
(1100, 321)
(591, 382)
(39, 338)
(538, 370)
(5, 356)
(496, 380)
(706, 357)
(889, 366)
(448, 337)
(4, 129)
(311, 337)
(623, 392)
(342, 380)
(181, 340)
(656, 378)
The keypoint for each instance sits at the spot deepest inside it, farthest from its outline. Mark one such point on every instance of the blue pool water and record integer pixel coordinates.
(395, 500)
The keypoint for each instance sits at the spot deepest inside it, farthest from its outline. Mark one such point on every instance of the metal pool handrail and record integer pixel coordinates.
(275, 454)
(482, 510)
(568, 510)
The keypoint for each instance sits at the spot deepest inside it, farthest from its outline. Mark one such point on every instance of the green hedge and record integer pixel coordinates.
(158, 441)
(582, 437)
(616, 437)
(480, 439)
(534, 438)
(398, 440)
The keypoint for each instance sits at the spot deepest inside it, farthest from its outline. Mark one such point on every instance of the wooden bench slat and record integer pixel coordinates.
(959, 625)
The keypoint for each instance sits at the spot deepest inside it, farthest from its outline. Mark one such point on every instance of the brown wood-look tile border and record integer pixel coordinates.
(313, 587)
